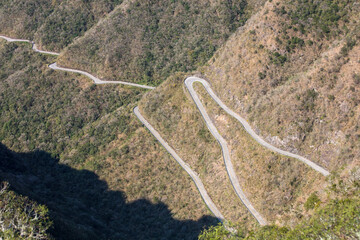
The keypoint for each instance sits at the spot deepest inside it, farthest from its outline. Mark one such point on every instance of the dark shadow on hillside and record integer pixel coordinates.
(83, 207)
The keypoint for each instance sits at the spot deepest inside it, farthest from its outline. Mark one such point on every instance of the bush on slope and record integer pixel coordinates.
(20, 217)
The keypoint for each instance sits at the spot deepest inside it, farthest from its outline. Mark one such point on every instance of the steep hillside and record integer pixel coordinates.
(52, 24)
(277, 186)
(291, 68)
(147, 41)
(293, 72)
(88, 158)
(321, 225)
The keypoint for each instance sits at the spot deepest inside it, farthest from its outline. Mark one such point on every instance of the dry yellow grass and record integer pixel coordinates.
(277, 105)
(276, 185)
(171, 111)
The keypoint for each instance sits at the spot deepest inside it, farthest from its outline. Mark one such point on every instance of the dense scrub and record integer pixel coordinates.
(52, 24)
(20, 217)
(147, 41)
(339, 219)
(276, 185)
(292, 71)
(175, 116)
(68, 133)
(38, 110)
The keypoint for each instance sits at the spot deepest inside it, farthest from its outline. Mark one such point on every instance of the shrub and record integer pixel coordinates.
(277, 58)
(312, 202)
(21, 218)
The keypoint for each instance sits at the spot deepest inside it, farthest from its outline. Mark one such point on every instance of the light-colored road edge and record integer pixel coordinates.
(225, 150)
(55, 67)
(200, 186)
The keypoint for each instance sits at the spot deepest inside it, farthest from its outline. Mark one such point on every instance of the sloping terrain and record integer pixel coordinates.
(147, 41)
(52, 24)
(21, 218)
(291, 70)
(88, 158)
(296, 80)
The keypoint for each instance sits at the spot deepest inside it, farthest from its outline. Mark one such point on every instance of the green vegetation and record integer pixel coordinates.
(20, 217)
(277, 59)
(178, 120)
(349, 45)
(153, 39)
(52, 24)
(308, 100)
(339, 219)
(64, 133)
(38, 109)
(356, 78)
(312, 19)
(312, 202)
(293, 43)
(321, 16)
(78, 149)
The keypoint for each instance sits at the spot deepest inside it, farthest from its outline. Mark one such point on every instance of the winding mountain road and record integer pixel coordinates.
(55, 67)
(34, 47)
(225, 150)
(189, 84)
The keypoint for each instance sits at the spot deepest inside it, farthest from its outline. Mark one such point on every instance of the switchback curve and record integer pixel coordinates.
(189, 84)
(225, 150)
(34, 47)
(226, 154)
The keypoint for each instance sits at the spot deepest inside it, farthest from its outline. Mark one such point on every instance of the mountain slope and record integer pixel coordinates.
(296, 82)
(291, 69)
(147, 41)
(88, 158)
(52, 24)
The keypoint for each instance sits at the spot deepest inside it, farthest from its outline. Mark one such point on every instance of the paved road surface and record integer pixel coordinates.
(34, 47)
(97, 80)
(192, 174)
(189, 81)
(225, 150)
(55, 67)
(14, 39)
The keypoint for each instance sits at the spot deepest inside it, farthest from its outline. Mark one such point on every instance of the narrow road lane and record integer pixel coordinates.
(189, 82)
(55, 67)
(192, 174)
(34, 47)
(225, 149)
(97, 80)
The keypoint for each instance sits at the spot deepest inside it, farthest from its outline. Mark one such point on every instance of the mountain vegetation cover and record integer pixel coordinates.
(291, 68)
